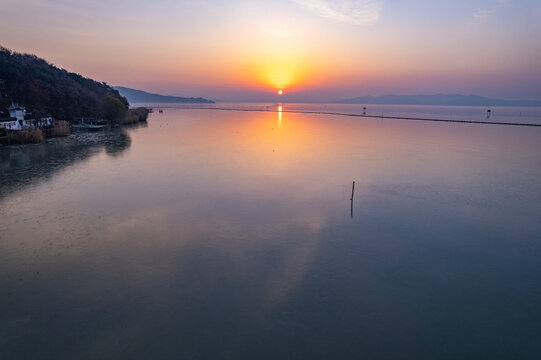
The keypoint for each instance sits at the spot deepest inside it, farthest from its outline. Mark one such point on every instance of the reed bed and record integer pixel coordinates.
(32, 135)
(60, 128)
(135, 115)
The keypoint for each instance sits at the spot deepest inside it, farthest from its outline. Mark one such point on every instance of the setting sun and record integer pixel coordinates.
(280, 92)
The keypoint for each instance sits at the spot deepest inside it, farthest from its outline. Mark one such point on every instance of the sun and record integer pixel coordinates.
(280, 92)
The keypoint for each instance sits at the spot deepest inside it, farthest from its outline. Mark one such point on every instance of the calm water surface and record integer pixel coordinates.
(229, 235)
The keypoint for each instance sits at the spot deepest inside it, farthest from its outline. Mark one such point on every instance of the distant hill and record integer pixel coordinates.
(138, 96)
(45, 89)
(439, 99)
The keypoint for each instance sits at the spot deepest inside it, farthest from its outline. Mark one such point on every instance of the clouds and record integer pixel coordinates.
(483, 14)
(359, 12)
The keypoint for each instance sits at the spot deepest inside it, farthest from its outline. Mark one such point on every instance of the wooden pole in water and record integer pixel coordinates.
(352, 192)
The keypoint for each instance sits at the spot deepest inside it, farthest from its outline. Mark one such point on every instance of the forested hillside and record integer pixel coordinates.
(45, 89)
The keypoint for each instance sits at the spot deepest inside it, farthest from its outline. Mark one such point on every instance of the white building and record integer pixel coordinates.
(19, 120)
(10, 123)
(17, 111)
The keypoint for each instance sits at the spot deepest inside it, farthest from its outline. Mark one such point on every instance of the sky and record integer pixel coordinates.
(315, 50)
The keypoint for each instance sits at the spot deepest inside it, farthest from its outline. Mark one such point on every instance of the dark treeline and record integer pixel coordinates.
(45, 89)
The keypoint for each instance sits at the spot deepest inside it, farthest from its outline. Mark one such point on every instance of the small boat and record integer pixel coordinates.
(160, 111)
(89, 126)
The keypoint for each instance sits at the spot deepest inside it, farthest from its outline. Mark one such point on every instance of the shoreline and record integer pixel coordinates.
(63, 128)
(366, 116)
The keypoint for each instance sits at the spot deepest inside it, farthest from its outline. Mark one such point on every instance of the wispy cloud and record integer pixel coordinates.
(483, 14)
(361, 12)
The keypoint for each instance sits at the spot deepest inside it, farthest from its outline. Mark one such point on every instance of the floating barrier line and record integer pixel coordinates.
(366, 116)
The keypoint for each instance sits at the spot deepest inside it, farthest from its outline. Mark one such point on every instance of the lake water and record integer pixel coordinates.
(212, 234)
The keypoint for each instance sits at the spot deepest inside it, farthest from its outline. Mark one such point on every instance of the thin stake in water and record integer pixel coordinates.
(352, 193)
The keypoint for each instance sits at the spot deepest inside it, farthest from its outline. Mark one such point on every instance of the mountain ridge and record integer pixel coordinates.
(140, 96)
(436, 99)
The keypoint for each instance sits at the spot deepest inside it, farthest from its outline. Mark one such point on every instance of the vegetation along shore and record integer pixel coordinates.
(38, 100)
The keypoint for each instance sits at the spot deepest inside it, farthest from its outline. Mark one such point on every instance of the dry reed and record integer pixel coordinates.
(61, 128)
(31, 135)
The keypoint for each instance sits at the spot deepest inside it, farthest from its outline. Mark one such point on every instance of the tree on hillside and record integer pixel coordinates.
(43, 88)
(113, 108)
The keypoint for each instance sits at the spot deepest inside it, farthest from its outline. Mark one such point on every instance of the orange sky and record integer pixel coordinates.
(313, 49)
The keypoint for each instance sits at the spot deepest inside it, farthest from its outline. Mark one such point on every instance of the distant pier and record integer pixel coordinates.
(369, 116)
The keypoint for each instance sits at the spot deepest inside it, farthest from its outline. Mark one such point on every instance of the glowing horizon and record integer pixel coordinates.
(310, 49)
